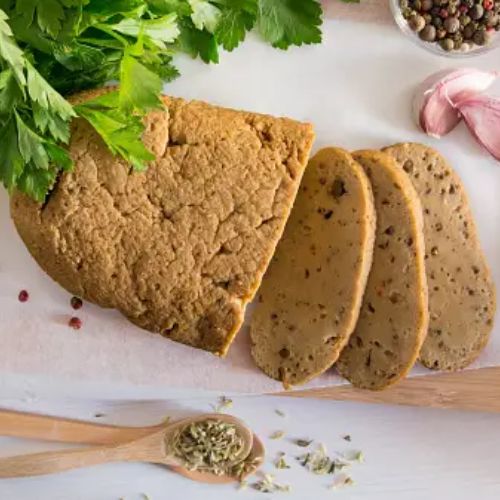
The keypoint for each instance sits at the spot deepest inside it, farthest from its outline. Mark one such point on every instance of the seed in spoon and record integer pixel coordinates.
(209, 446)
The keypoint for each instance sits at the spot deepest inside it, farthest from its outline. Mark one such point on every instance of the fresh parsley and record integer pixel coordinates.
(52, 48)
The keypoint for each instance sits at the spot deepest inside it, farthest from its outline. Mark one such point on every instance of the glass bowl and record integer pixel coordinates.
(434, 47)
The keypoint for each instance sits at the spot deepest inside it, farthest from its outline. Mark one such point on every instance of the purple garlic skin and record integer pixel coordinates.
(435, 102)
(482, 116)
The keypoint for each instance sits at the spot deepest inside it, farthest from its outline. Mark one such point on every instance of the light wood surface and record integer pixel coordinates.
(477, 390)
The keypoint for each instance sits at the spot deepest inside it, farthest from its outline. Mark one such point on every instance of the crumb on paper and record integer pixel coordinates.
(281, 413)
(354, 456)
(223, 404)
(280, 462)
(277, 435)
(303, 443)
(341, 481)
(268, 485)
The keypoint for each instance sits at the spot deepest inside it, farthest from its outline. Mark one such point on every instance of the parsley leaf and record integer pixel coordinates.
(31, 145)
(49, 48)
(160, 31)
(236, 19)
(50, 15)
(11, 161)
(10, 93)
(9, 50)
(43, 94)
(180, 7)
(139, 86)
(197, 43)
(205, 15)
(289, 22)
(119, 129)
(36, 182)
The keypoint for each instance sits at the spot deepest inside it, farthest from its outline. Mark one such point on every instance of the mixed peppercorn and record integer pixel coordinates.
(454, 24)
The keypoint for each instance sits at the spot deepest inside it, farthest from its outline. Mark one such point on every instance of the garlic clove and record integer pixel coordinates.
(482, 116)
(438, 117)
(435, 101)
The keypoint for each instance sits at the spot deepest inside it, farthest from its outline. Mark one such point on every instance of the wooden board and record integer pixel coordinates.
(477, 390)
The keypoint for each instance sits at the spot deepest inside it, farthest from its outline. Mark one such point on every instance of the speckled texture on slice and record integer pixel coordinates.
(461, 291)
(179, 249)
(310, 297)
(394, 316)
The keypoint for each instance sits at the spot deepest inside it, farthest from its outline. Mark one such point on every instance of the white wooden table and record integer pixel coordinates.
(411, 453)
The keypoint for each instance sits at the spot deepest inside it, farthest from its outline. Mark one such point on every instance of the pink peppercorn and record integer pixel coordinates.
(463, 9)
(488, 4)
(75, 323)
(443, 13)
(76, 303)
(23, 296)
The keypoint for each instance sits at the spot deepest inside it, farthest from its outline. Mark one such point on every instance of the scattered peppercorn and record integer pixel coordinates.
(76, 303)
(23, 296)
(75, 323)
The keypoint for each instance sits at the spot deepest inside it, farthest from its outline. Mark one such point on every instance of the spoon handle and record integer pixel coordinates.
(65, 430)
(49, 462)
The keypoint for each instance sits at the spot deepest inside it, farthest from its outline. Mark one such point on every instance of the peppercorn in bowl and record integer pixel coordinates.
(453, 28)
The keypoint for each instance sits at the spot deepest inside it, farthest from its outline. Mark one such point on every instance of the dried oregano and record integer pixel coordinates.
(209, 446)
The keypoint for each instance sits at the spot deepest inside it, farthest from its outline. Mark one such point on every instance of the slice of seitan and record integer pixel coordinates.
(309, 300)
(461, 291)
(181, 248)
(394, 316)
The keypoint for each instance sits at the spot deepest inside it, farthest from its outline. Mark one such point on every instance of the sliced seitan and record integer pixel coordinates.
(310, 297)
(394, 316)
(179, 249)
(461, 290)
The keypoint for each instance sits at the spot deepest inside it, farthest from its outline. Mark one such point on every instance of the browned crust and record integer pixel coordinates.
(241, 169)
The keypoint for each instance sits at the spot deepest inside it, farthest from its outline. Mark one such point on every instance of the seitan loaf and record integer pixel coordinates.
(179, 249)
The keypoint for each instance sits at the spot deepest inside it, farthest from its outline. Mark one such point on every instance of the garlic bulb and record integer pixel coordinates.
(434, 104)
(482, 116)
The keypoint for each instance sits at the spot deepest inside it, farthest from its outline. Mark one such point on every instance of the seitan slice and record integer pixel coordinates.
(179, 249)
(394, 316)
(461, 290)
(311, 294)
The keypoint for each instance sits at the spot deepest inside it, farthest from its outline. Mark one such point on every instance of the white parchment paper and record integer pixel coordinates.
(356, 88)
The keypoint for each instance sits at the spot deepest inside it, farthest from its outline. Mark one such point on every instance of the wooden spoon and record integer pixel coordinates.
(153, 447)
